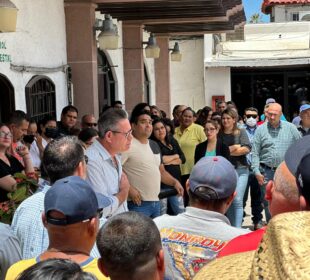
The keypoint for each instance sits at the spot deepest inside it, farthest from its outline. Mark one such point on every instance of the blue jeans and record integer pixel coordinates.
(269, 174)
(256, 198)
(172, 205)
(148, 208)
(235, 211)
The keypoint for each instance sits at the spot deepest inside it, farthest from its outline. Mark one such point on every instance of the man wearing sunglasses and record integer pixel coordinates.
(250, 120)
(88, 121)
(71, 217)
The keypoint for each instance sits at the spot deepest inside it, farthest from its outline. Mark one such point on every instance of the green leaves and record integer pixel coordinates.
(25, 187)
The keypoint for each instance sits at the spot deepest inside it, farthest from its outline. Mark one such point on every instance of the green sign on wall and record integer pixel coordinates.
(3, 56)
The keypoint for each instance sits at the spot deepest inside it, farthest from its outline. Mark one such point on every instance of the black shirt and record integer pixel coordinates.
(173, 169)
(232, 139)
(6, 170)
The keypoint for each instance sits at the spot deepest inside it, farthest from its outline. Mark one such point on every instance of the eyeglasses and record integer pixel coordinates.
(126, 134)
(210, 129)
(91, 124)
(251, 116)
(5, 134)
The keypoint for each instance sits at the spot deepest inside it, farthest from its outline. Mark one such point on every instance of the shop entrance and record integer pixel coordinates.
(288, 87)
(7, 100)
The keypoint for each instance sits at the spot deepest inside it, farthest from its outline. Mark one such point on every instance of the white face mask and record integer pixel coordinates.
(251, 122)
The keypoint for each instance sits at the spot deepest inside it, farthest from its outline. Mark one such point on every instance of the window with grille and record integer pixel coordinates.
(40, 98)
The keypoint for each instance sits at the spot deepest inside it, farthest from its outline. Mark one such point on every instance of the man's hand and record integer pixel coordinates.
(179, 188)
(124, 184)
(260, 179)
(22, 150)
(39, 142)
(135, 196)
(123, 189)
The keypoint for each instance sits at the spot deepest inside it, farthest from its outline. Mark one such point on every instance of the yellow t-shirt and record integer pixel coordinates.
(188, 140)
(90, 265)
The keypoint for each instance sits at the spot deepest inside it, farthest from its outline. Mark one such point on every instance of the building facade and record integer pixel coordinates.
(33, 60)
(271, 61)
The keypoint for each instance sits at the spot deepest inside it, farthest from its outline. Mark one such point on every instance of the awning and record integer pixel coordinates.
(177, 17)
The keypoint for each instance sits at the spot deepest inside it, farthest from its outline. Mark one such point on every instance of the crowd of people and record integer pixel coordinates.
(148, 197)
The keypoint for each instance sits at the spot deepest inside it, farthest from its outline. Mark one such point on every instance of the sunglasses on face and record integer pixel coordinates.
(251, 116)
(91, 124)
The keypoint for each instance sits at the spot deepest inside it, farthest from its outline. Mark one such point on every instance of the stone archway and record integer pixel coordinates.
(7, 104)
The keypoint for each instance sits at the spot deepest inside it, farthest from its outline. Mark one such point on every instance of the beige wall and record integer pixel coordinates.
(187, 76)
(217, 82)
(283, 13)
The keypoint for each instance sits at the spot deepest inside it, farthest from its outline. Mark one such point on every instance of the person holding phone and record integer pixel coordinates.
(9, 165)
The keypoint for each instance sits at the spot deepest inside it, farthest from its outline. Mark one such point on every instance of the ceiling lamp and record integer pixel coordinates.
(152, 50)
(108, 37)
(176, 54)
(8, 16)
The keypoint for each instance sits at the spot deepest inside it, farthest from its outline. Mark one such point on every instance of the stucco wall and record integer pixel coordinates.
(115, 58)
(39, 41)
(217, 82)
(283, 13)
(187, 76)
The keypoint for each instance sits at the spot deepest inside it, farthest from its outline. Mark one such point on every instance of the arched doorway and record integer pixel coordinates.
(40, 98)
(106, 81)
(7, 104)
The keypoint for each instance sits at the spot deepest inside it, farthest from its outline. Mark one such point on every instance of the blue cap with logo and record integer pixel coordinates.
(74, 198)
(213, 178)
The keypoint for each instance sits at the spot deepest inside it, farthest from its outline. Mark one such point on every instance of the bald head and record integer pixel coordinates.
(273, 114)
(284, 192)
(88, 120)
(275, 106)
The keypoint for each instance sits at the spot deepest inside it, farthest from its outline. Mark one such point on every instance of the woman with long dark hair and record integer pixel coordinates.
(239, 145)
(172, 158)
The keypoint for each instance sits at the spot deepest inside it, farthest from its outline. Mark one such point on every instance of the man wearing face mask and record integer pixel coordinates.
(250, 120)
(49, 131)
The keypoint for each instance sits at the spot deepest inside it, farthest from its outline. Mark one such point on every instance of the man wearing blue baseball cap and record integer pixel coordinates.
(193, 238)
(304, 113)
(71, 217)
(62, 157)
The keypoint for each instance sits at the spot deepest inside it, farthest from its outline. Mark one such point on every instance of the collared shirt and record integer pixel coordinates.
(192, 239)
(105, 177)
(27, 225)
(270, 144)
(304, 131)
(188, 140)
(35, 153)
(9, 249)
(90, 265)
(250, 132)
